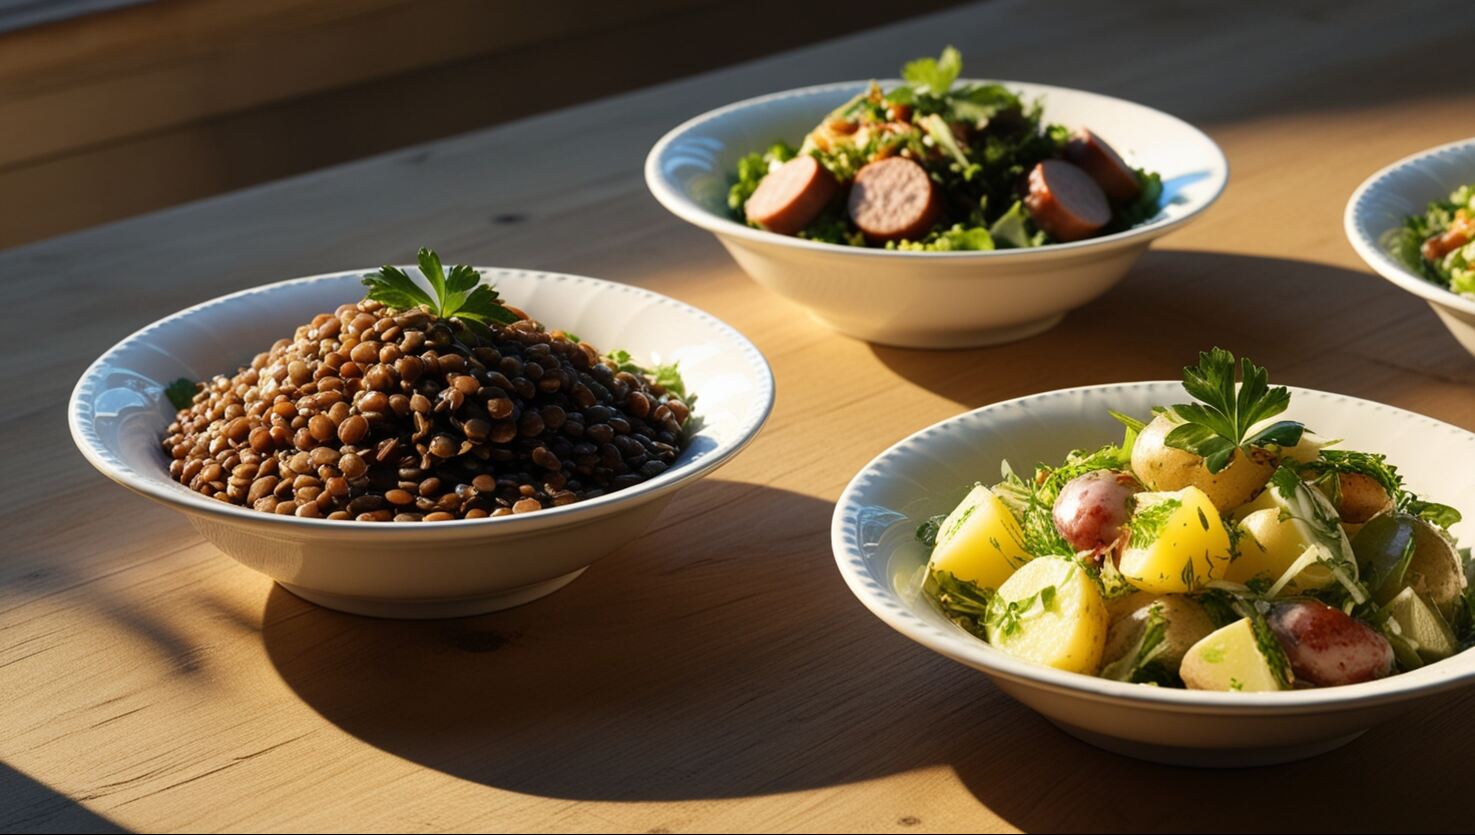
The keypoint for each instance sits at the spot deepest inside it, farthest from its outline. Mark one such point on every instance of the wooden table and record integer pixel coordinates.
(716, 674)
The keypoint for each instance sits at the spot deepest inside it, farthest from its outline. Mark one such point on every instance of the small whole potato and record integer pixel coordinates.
(1092, 508)
(1326, 646)
(1164, 468)
(1360, 497)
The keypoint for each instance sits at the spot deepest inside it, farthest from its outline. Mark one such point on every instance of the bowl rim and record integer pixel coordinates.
(1373, 254)
(679, 204)
(79, 420)
(965, 649)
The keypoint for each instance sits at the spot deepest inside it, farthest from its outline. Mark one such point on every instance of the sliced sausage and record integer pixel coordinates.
(894, 199)
(1328, 647)
(791, 196)
(1065, 201)
(1105, 166)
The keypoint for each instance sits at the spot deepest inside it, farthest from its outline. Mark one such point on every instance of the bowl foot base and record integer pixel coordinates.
(949, 339)
(1207, 757)
(457, 607)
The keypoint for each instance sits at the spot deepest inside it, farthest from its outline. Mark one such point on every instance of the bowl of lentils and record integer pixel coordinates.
(423, 441)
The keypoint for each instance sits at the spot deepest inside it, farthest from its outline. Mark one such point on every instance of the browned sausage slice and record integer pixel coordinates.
(1065, 201)
(1105, 166)
(791, 196)
(894, 199)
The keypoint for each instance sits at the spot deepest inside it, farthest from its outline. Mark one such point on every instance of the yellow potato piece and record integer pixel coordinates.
(1229, 659)
(1059, 619)
(1177, 545)
(1268, 545)
(1166, 468)
(980, 541)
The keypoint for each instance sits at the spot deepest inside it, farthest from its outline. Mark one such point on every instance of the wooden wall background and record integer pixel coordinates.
(122, 112)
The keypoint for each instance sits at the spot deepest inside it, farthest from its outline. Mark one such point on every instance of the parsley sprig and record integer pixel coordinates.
(1217, 426)
(458, 294)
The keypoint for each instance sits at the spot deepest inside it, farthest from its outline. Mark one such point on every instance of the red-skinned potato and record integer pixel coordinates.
(1328, 647)
(1092, 508)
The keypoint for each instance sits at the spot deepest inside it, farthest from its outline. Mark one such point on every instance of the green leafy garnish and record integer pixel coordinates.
(1006, 615)
(1216, 426)
(665, 376)
(1330, 463)
(1147, 524)
(458, 294)
(181, 392)
(961, 601)
(933, 76)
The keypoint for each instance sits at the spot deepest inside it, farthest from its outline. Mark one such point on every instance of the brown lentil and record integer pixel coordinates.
(376, 415)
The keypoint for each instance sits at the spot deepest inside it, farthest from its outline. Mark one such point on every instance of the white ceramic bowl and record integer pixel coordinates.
(444, 569)
(926, 474)
(1379, 206)
(930, 299)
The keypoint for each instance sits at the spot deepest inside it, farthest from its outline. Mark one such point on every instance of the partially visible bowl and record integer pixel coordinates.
(931, 299)
(118, 414)
(1378, 208)
(926, 474)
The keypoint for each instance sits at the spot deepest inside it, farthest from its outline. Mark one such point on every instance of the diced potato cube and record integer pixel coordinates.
(1051, 613)
(1178, 544)
(1268, 544)
(1230, 658)
(980, 541)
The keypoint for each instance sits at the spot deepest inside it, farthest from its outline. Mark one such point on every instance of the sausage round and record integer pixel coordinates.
(1328, 647)
(894, 199)
(1065, 202)
(791, 196)
(1103, 164)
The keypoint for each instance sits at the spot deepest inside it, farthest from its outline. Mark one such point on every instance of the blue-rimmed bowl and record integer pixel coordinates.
(931, 299)
(873, 536)
(118, 414)
(1379, 206)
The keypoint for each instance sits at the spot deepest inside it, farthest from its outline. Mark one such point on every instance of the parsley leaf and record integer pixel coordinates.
(181, 392)
(459, 293)
(934, 76)
(1216, 426)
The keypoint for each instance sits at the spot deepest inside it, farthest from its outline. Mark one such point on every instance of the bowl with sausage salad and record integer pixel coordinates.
(933, 211)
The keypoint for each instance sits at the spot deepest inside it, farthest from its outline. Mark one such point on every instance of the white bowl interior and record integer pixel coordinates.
(928, 473)
(1380, 205)
(118, 411)
(691, 167)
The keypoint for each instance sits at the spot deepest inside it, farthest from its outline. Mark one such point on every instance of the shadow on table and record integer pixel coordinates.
(1137, 330)
(734, 665)
(1401, 776)
(31, 806)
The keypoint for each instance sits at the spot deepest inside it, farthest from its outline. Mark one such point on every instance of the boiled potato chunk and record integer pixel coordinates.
(1268, 545)
(1229, 659)
(1149, 642)
(1434, 568)
(1178, 544)
(1421, 626)
(1164, 468)
(980, 541)
(1051, 613)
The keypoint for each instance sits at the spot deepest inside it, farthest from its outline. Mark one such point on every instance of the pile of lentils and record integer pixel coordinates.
(380, 415)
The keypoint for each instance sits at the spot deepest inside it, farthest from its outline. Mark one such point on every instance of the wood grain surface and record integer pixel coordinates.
(716, 674)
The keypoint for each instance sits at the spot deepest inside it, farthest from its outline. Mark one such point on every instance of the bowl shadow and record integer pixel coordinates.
(1319, 314)
(733, 665)
(739, 665)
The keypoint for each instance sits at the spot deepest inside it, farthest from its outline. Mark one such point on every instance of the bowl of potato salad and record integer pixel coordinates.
(1213, 571)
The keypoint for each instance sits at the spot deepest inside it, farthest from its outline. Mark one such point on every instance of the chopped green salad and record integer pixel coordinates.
(941, 165)
(1440, 243)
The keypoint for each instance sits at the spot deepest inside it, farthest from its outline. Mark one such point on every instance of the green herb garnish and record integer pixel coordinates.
(181, 392)
(1147, 524)
(1216, 427)
(666, 376)
(934, 76)
(961, 601)
(458, 294)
